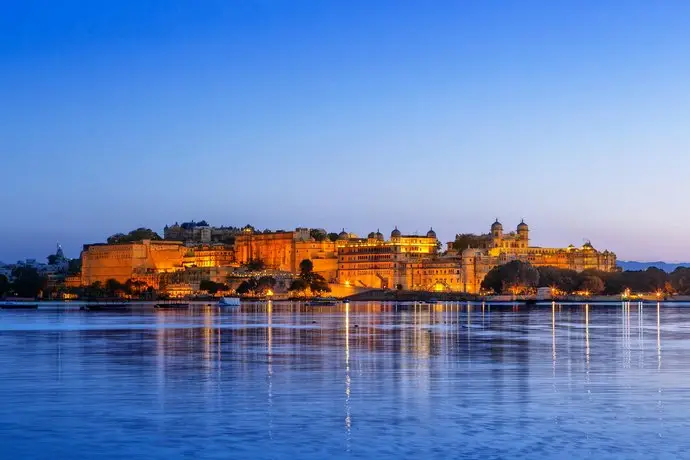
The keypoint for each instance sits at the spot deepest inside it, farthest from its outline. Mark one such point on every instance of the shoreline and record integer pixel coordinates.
(407, 301)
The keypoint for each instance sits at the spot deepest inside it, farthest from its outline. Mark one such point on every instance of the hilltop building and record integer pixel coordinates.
(399, 262)
(284, 250)
(199, 232)
(497, 248)
(142, 260)
(442, 273)
(378, 263)
(209, 255)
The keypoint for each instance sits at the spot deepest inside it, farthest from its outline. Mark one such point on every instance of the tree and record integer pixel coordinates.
(4, 286)
(515, 276)
(306, 268)
(255, 265)
(96, 289)
(27, 282)
(52, 259)
(247, 286)
(469, 240)
(298, 285)
(562, 279)
(655, 279)
(309, 279)
(135, 235)
(318, 235)
(319, 284)
(74, 266)
(114, 288)
(680, 280)
(333, 236)
(212, 287)
(265, 283)
(592, 284)
(116, 238)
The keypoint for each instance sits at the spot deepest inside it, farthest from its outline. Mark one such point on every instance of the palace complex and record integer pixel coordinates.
(375, 262)
(285, 250)
(402, 261)
(497, 248)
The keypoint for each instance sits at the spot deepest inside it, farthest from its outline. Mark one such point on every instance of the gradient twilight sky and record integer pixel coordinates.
(357, 114)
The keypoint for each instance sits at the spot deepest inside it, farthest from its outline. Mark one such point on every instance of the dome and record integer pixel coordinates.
(396, 233)
(431, 233)
(522, 226)
(343, 235)
(371, 235)
(496, 225)
(379, 235)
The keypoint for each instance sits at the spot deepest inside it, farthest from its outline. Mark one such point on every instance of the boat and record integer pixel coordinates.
(106, 306)
(172, 305)
(322, 302)
(229, 302)
(18, 306)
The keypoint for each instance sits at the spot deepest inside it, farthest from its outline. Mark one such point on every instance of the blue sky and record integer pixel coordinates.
(357, 114)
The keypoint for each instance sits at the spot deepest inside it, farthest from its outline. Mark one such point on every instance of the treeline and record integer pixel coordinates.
(26, 282)
(308, 280)
(135, 235)
(520, 277)
(114, 288)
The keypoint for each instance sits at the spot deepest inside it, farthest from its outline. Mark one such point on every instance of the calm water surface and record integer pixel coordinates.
(364, 381)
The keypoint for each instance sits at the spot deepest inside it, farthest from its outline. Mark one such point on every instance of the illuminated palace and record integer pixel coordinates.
(101, 262)
(146, 260)
(285, 250)
(399, 262)
(497, 248)
(374, 262)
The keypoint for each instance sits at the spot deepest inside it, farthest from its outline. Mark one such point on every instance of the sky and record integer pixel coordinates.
(349, 114)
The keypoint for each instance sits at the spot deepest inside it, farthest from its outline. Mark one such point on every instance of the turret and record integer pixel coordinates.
(497, 232)
(523, 233)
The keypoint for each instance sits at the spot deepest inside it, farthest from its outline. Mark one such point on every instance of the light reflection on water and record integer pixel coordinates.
(360, 380)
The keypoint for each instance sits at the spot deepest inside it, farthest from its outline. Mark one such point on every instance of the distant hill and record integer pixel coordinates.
(634, 266)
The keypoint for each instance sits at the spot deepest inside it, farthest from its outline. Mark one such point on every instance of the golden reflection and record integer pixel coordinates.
(220, 338)
(469, 322)
(348, 420)
(553, 336)
(269, 359)
(160, 349)
(208, 338)
(587, 334)
(626, 334)
(658, 334)
(640, 329)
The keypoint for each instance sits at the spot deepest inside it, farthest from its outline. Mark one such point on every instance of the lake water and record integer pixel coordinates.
(364, 381)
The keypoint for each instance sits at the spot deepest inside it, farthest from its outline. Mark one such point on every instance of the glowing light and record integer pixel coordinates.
(269, 293)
